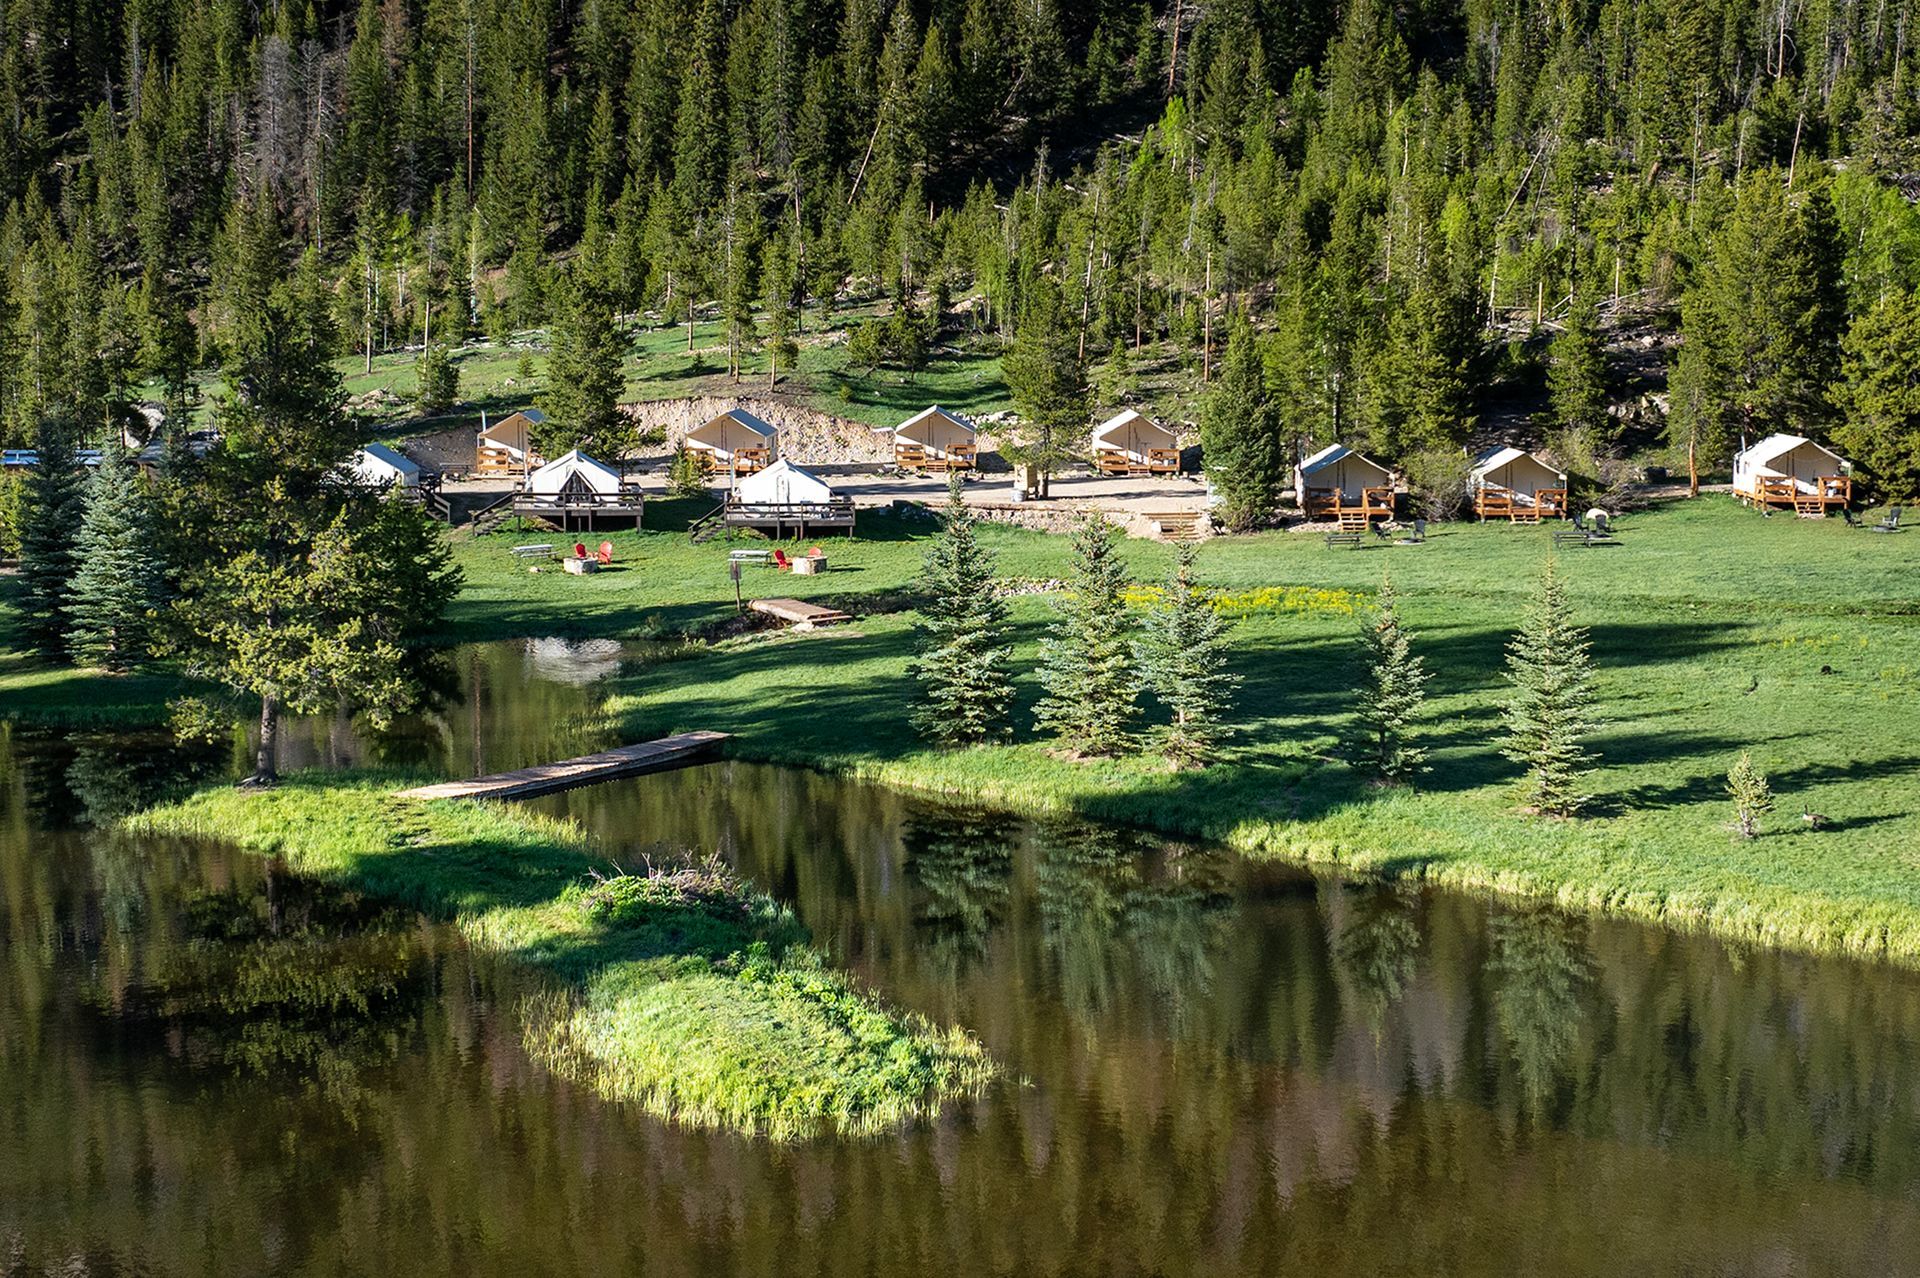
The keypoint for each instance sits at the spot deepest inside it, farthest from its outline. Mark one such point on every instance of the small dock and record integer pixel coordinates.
(547, 778)
(798, 612)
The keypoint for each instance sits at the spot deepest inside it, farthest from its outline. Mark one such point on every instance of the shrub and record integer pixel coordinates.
(1752, 796)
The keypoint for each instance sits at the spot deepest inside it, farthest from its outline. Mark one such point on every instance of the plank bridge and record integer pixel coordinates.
(548, 778)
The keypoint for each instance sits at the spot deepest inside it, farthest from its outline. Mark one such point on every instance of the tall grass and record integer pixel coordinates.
(678, 988)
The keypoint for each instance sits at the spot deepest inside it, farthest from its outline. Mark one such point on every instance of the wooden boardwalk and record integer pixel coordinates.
(799, 613)
(546, 778)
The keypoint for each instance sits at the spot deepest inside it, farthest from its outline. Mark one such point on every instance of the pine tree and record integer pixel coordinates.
(1240, 437)
(1048, 382)
(1577, 368)
(1879, 394)
(117, 586)
(1752, 796)
(584, 377)
(1183, 657)
(1086, 662)
(54, 505)
(1392, 691)
(438, 379)
(961, 670)
(1549, 717)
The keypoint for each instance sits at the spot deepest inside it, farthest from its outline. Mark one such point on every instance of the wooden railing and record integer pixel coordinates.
(1318, 503)
(1495, 502)
(909, 456)
(1117, 461)
(1827, 491)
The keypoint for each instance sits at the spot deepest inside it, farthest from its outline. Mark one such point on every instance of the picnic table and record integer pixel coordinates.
(539, 550)
(762, 557)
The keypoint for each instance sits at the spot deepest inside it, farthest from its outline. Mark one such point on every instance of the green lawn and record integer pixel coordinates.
(681, 989)
(1715, 630)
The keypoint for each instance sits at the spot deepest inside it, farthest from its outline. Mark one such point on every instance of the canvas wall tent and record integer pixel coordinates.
(1130, 443)
(576, 490)
(1791, 470)
(736, 441)
(783, 484)
(785, 498)
(936, 439)
(1510, 483)
(380, 466)
(575, 475)
(1336, 479)
(506, 447)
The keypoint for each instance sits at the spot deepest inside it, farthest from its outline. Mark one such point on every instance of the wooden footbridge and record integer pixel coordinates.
(547, 778)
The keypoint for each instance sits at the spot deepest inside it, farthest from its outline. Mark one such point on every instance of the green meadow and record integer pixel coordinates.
(680, 988)
(1715, 630)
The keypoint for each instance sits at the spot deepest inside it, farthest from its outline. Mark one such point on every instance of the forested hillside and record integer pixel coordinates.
(1400, 208)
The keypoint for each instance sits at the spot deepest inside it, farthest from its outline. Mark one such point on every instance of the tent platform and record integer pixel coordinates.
(798, 612)
(779, 519)
(547, 778)
(571, 514)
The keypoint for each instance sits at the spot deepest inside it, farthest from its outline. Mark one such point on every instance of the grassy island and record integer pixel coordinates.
(680, 988)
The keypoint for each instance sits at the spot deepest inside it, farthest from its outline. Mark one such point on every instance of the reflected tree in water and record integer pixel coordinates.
(1108, 923)
(1376, 947)
(288, 980)
(1540, 971)
(962, 865)
(111, 777)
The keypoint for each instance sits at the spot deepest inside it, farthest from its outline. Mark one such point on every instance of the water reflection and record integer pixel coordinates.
(1213, 1067)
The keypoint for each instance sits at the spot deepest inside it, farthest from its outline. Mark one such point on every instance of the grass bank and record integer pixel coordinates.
(681, 989)
(1716, 631)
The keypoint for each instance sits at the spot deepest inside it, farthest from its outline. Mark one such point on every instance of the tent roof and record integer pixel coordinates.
(391, 457)
(764, 485)
(743, 418)
(1128, 419)
(1775, 446)
(928, 414)
(1333, 453)
(573, 461)
(1495, 458)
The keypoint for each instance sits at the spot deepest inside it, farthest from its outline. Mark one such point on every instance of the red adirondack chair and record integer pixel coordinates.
(781, 561)
(606, 553)
(579, 550)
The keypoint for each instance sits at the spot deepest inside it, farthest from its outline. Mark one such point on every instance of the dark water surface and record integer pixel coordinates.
(210, 1066)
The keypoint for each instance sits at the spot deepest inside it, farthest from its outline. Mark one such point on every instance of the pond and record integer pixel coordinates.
(208, 1065)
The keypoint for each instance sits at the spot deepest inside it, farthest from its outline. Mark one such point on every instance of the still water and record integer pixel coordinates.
(1213, 1067)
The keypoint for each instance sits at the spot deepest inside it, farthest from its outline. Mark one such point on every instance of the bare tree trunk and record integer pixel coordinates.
(266, 769)
(1206, 323)
(1693, 470)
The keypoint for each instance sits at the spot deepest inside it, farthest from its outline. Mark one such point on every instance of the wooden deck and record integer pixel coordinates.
(1333, 503)
(1494, 502)
(1830, 492)
(627, 761)
(796, 519)
(798, 612)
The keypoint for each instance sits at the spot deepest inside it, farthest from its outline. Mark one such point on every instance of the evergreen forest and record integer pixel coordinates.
(1423, 217)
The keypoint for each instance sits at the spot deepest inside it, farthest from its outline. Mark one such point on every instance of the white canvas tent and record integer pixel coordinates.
(733, 433)
(783, 484)
(936, 432)
(379, 466)
(1514, 484)
(1789, 459)
(1134, 437)
(574, 475)
(1337, 472)
(505, 446)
